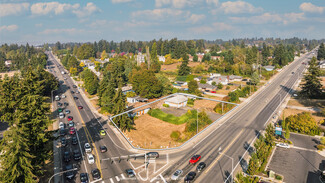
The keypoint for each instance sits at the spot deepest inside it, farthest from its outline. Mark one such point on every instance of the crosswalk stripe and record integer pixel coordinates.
(111, 180)
(122, 176)
(118, 179)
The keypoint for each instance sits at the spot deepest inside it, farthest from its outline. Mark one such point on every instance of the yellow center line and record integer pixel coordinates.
(88, 136)
(225, 150)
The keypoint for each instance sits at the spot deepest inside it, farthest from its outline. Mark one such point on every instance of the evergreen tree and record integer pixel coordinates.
(312, 88)
(253, 165)
(16, 165)
(184, 69)
(193, 86)
(124, 122)
(155, 66)
(321, 52)
(255, 79)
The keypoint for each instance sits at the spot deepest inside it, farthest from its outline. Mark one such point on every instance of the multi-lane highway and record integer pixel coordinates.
(229, 139)
(88, 128)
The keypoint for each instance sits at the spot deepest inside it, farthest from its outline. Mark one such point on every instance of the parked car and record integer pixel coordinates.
(87, 148)
(63, 96)
(74, 140)
(69, 174)
(177, 174)
(103, 149)
(77, 92)
(71, 124)
(70, 118)
(76, 98)
(80, 107)
(130, 173)
(72, 131)
(200, 166)
(59, 104)
(76, 155)
(90, 158)
(96, 174)
(152, 155)
(72, 92)
(62, 132)
(84, 178)
(60, 109)
(189, 177)
(66, 156)
(74, 86)
(61, 125)
(67, 111)
(65, 103)
(195, 159)
(283, 145)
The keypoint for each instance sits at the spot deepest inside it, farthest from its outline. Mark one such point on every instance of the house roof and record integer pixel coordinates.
(269, 67)
(177, 99)
(322, 62)
(207, 86)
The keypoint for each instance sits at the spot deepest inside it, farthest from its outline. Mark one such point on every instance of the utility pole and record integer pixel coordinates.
(197, 121)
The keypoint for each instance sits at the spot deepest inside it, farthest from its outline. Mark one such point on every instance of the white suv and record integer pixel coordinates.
(61, 115)
(87, 148)
(63, 96)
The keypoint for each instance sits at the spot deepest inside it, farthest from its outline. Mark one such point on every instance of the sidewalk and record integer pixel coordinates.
(311, 109)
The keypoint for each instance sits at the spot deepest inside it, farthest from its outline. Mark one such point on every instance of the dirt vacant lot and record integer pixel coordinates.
(153, 133)
(172, 67)
(288, 112)
(10, 73)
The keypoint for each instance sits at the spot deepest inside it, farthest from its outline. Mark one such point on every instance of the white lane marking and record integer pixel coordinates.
(118, 179)
(162, 178)
(111, 180)
(122, 176)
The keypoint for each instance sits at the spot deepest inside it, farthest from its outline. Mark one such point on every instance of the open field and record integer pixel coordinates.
(153, 133)
(174, 66)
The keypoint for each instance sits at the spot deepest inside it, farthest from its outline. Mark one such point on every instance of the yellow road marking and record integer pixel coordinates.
(88, 136)
(225, 150)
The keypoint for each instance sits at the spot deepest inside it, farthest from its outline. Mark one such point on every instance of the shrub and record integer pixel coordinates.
(165, 105)
(175, 135)
(228, 87)
(220, 86)
(322, 140)
(278, 177)
(320, 147)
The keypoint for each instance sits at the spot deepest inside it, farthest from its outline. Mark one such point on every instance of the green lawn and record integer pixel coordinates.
(157, 113)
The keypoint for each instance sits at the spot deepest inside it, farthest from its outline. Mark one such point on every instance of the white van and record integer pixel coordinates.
(57, 98)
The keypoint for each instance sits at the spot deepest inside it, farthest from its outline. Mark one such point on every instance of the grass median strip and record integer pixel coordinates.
(158, 113)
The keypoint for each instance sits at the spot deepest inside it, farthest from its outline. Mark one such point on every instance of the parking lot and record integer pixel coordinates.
(298, 164)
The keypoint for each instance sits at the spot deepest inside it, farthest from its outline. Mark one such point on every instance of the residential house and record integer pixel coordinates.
(224, 80)
(212, 75)
(235, 78)
(200, 56)
(8, 63)
(136, 99)
(177, 101)
(207, 87)
(322, 64)
(198, 79)
(127, 88)
(215, 57)
(269, 68)
(161, 58)
(190, 58)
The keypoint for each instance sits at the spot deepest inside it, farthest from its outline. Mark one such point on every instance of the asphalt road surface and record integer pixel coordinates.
(88, 128)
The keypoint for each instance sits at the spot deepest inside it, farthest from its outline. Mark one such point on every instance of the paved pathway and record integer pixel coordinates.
(311, 109)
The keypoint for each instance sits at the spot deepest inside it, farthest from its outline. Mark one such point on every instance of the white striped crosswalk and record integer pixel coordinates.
(117, 178)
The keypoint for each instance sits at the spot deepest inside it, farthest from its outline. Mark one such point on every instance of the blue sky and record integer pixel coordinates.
(38, 22)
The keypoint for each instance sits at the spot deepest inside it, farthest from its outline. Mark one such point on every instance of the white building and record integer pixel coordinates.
(224, 80)
(322, 64)
(177, 101)
(140, 58)
(161, 58)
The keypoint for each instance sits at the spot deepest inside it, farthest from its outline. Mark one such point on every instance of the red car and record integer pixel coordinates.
(195, 159)
(72, 130)
(70, 118)
(80, 107)
(213, 92)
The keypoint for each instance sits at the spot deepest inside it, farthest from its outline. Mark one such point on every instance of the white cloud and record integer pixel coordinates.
(213, 2)
(70, 31)
(50, 7)
(177, 3)
(89, 9)
(214, 27)
(194, 18)
(12, 9)
(310, 8)
(120, 1)
(157, 14)
(38, 25)
(270, 18)
(237, 7)
(9, 28)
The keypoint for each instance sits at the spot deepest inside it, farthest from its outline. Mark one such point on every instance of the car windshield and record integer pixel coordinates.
(177, 173)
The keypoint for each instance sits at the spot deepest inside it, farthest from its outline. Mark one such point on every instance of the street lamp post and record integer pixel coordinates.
(197, 121)
(232, 164)
(61, 173)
